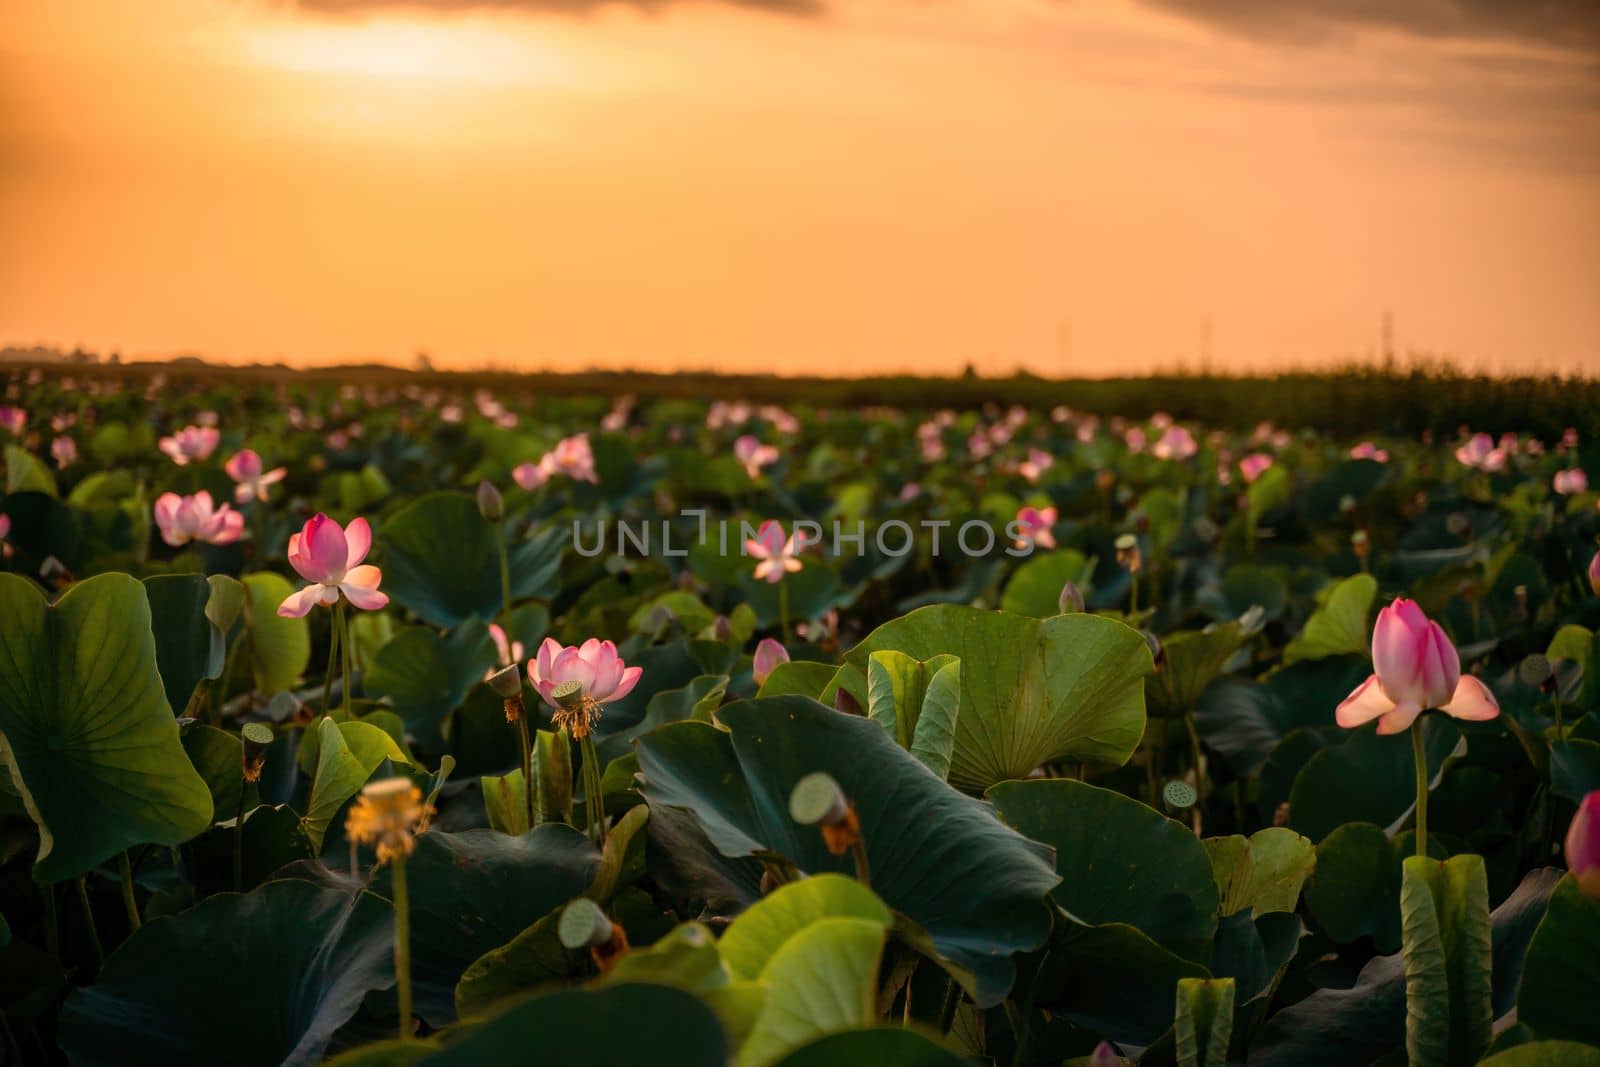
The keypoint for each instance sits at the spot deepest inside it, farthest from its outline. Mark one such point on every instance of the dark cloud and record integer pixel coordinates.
(1565, 23)
(570, 7)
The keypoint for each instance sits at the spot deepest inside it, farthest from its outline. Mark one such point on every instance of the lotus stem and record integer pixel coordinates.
(505, 570)
(593, 798)
(342, 621)
(1420, 756)
(783, 610)
(333, 662)
(88, 922)
(129, 900)
(402, 945)
(524, 736)
(1199, 770)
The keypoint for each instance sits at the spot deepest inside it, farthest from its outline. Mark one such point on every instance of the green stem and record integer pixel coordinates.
(505, 573)
(952, 1003)
(1420, 755)
(593, 798)
(527, 766)
(402, 945)
(333, 661)
(129, 900)
(342, 620)
(88, 922)
(783, 610)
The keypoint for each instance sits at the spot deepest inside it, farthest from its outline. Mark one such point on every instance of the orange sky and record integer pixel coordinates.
(1068, 185)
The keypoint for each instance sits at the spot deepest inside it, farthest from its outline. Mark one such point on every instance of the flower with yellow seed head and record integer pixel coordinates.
(386, 815)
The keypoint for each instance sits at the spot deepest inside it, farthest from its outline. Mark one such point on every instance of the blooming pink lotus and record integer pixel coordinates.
(769, 654)
(329, 557)
(1594, 573)
(64, 450)
(1583, 845)
(594, 664)
(5, 532)
(182, 519)
(1415, 667)
(778, 556)
(245, 468)
(1176, 443)
(1368, 450)
(1035, 465)
(1254, 466)
(190, 444)
(572, 456)
(1570, 481)
(1480, 453)
(13, 420)
(749, 451)
(1035, 526)
(1134, 439)
(508, 651)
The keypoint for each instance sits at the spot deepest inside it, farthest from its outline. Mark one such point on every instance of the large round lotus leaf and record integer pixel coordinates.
(1120, 860)
(1190, 660)
(1339, 625)
(1032, 690)
(755, 936)
(85, 728)
(1562, 971)
(427, 676)
(475, 891)
(974, 887)
(1369, 778)
(264, 978)
(347, 755)
(534, 958)
(1035, 588)
(280, 648)
(441, 559)
(1367, 1022)
(1354, 891)
(189, 646)
(824, 977)
(1112, 979)
(625, 1025)
(1546, 1054)
(878, 1044)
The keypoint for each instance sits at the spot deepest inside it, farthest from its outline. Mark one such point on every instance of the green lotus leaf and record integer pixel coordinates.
(189, 646)
(1190, 660)
(1339, 625)
(85, 727)
(1448, 952)
(1545, 1054)
(1368, 778)
(427, 675)
(877, 1044)
(972, 889)
(806, 678)
(441, 560)
(918, 703)
(267, 978)
(1104, 844)
(347, 755)
(1204, 1021)
(1032, 691)
(1562, 970)
(280, 648)
(1035, 587)
(1112, 979)
(1262, 872)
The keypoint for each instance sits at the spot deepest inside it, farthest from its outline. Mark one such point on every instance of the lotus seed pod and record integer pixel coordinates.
(569, 695)
(1179, 795)
(507, 681)
(1071, 599)
(583, 925)
(256, 738)
(1534, 670)
(816, 799)
(490, 504)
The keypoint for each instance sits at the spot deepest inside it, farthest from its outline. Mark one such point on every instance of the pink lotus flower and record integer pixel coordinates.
(749, 451)
(778, 556)
(329, 557)
(64, 450)
(182, 519)
(13, 420)
(1035, 465)
(1480, 453)
(1254, 466)
(1134, 439)
(1570, 481)
(594, 664)
(245, 468)
(572, 456)
(1594, 574)
(1035, 526)
(1177, 443)
(5, 532)
(190, 444)
(1368, 450)
(508, 651)
(1415, 668)
(769, 654)
(1583, 845)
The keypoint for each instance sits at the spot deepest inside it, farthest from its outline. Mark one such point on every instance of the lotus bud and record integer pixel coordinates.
(769, 654)
(1104, 1056)
(1071, 600)
(845, 701)
(1594, 574)
(256, 738)
(722, 628)
(584, 925)
(1158, 652)
(1583, 845)
(1128, 557)
(490, 504)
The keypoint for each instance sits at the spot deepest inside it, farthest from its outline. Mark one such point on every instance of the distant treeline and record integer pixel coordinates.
(1349, 402)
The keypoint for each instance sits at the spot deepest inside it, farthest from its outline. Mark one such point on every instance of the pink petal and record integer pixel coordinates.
(1472, 701)
(298, 605)
(361, 587)
(322, 546)
(543, 668)
(630, 678)
(1366, 703)
(357, 541)
(1397, 646)
(1400, 719)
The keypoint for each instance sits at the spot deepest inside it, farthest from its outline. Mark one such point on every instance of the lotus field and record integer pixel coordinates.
(410, 723)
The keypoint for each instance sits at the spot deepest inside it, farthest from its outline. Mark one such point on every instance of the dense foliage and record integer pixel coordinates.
(405, 722)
